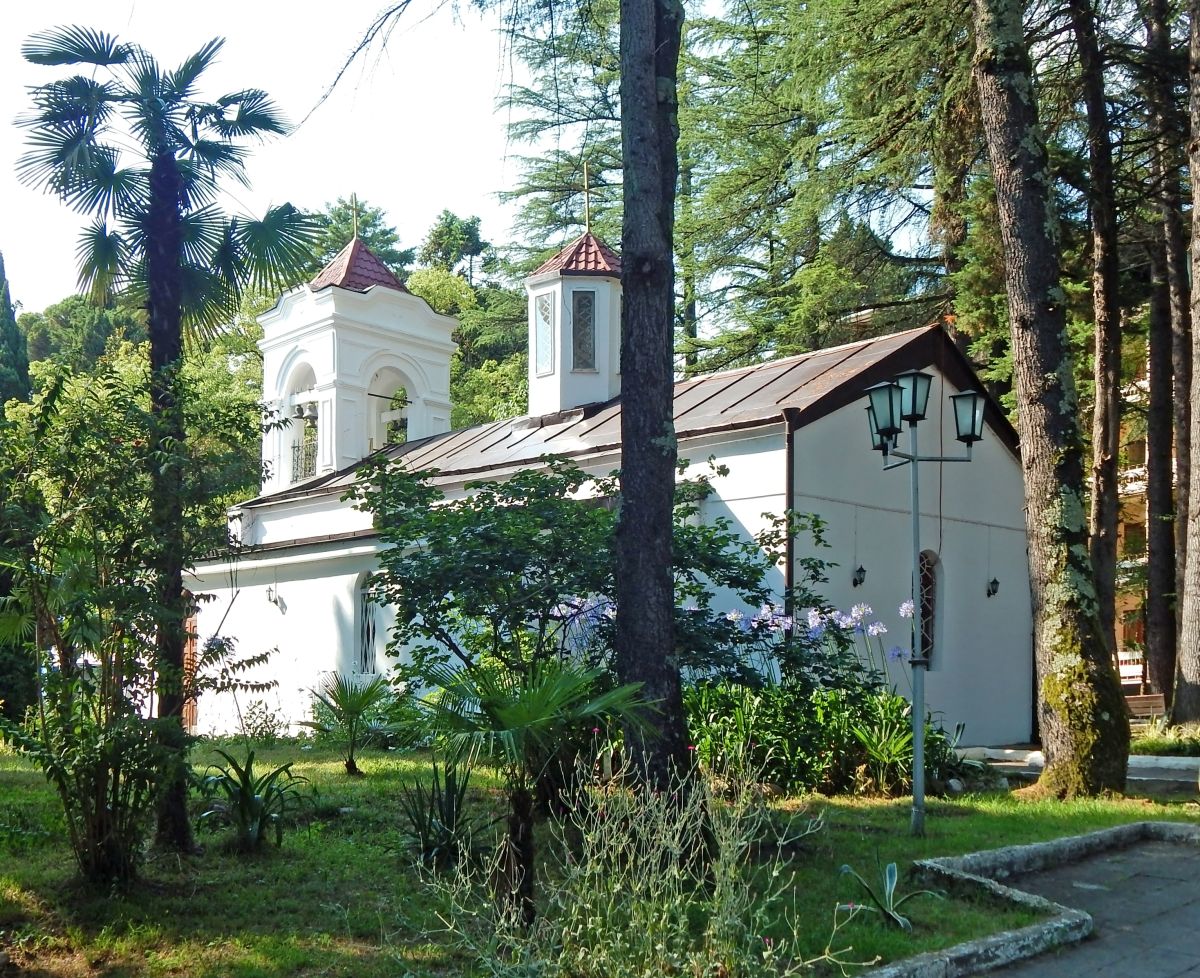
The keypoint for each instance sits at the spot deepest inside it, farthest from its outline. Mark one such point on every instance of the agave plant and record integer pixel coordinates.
(353, 707)
(884, 900)
(252, 803)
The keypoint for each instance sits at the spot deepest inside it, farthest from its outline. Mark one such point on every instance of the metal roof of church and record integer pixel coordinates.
(356, 267)
(807, 387)
(586, 255)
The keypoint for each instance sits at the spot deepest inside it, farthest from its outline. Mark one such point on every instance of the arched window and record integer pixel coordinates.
(387, 409)
(368, 628)
(300, 440)
(930, 571)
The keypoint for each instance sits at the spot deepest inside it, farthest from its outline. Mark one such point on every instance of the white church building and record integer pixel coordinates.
(360, 365)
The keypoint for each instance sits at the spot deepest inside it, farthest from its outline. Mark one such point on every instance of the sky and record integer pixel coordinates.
(414, 127)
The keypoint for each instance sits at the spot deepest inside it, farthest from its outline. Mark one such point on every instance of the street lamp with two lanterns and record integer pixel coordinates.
(889, 405)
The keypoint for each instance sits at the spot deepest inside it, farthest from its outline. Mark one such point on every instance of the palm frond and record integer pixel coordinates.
(60, 158)
(254, 115)
(216, 158)
(73, 46)
(76, 99)
(102, 254)
(277, 247)
(209, 302)
(107, 190)
(182, 81)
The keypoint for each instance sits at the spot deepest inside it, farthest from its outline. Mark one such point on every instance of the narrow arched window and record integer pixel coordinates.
(368, 628)
(929, 568)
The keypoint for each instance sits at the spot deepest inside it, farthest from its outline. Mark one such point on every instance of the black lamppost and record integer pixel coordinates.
(889, 404)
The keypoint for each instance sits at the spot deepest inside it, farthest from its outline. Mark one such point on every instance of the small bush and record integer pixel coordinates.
(642, 882)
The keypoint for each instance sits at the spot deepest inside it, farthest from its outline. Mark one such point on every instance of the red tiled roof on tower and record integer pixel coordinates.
(586, 255)
(356, 268)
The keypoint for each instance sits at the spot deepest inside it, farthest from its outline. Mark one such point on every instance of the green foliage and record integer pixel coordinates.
(441, 825)
(74, 474)
(14, 359)
(520, 571)
(451, 241)
(884, 899)
(447, 293)
(353, 707)
(82, 131)
(519, 719)
(254, 804)
(76, 331)
(855, 736)
(335, 229)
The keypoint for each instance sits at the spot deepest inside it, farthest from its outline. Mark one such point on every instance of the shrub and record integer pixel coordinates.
(622, 896)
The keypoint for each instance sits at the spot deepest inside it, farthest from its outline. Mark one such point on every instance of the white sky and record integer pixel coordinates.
(413, 129)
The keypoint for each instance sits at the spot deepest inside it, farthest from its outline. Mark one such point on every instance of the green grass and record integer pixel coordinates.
(340, 897)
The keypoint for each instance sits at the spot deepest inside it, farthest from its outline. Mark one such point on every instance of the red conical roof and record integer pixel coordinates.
(356, 268)
(586, 255)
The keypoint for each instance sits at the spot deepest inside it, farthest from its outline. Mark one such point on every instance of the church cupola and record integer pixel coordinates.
(352, 361)
(575, 327)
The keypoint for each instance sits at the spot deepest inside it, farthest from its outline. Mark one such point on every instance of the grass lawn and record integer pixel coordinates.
(341, 898)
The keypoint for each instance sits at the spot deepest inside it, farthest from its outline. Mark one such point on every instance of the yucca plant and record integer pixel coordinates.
(441, 827)
(252, 803)
(353, 707)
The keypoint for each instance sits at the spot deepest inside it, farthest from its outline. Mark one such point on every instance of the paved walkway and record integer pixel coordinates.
(1146, 905)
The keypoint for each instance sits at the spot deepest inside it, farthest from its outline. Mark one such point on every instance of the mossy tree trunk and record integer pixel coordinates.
(1083, 722)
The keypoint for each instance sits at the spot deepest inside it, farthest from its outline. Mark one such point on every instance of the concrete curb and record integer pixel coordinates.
(979, 872)
(1035, 758)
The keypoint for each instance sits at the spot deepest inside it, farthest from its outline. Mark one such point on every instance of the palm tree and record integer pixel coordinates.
(133, 146)
(519, 720)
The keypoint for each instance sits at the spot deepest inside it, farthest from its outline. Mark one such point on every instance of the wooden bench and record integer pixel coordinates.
(1146, 705)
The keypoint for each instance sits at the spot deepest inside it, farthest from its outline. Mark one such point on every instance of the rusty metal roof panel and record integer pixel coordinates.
(811, 385)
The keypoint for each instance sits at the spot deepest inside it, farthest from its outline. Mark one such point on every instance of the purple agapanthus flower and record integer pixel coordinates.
(897, 654)
(906, 608)
(876, 628)
(859, 612)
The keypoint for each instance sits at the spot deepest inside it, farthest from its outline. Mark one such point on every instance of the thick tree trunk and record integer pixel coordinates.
(1106, 414)
(164, 249)
(1187, 690)
(1082, 717)
(651, 33)
(1160, 507)
(1167, 166)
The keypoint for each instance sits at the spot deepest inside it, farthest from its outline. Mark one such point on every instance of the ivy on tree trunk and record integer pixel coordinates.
(1083, 722)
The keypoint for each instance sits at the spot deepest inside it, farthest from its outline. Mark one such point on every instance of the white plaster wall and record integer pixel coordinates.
(300, 519)
(971, 515)
(313, 626)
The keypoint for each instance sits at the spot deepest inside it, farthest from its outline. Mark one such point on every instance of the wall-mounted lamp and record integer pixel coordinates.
(276, 599)
(992, 587)
(859, 575)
